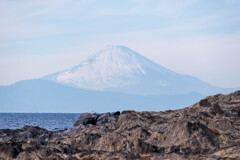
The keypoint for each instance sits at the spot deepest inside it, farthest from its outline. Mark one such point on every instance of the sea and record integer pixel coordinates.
(49, 121)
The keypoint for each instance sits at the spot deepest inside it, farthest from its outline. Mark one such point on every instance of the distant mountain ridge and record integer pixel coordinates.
(120, 69)
(39, 95)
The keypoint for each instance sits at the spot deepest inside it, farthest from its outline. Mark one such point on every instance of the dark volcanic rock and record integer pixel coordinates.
(209, 129)
(24, 134)
(87, 118)
(93, 118)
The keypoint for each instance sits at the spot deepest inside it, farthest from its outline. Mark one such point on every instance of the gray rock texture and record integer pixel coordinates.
(209, 130)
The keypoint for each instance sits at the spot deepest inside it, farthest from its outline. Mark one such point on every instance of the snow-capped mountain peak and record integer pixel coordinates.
(118, 68)
(115, 59)
(110, 67)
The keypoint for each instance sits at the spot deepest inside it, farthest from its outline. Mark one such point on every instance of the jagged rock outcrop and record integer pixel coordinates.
(94, 118)
(209, 129)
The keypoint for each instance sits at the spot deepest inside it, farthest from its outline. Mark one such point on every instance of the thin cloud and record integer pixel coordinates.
(4, 45)
(181, 35)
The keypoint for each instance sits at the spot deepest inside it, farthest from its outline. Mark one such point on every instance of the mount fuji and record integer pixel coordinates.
(114, 78)
(117, 68)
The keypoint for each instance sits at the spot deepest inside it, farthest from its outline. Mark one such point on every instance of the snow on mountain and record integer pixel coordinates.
(118, 68)
(113, 66)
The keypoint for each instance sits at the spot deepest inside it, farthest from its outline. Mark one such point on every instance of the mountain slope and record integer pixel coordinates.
(46, 96)
(120, 69)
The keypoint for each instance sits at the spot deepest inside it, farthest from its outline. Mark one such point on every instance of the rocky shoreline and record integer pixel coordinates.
(209, 129)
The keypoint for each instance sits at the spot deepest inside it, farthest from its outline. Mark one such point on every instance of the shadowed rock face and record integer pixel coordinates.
(209, 129)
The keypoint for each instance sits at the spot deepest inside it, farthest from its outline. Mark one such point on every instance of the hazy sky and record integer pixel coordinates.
(196, 37)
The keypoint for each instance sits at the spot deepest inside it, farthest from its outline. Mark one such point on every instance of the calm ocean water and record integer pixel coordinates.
(50, 121)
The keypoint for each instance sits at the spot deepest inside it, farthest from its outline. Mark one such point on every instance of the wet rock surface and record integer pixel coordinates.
(209, 130)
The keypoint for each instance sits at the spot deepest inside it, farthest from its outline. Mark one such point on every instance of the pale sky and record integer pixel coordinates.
(195, 37)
